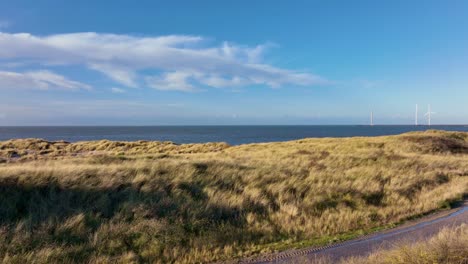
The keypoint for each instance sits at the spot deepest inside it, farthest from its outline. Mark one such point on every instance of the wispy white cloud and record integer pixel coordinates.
(42, 80)
(121, 75)
(174, 62)
(117, 90)
(178, 80)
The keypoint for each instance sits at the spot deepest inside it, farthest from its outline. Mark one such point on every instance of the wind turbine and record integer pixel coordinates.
(416, 116)
(428, 114)
(372, 118)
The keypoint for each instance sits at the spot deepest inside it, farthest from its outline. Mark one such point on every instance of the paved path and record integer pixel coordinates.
(411, 232)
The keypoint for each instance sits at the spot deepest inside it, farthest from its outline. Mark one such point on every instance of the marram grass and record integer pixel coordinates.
(158, 202)
(449, 246)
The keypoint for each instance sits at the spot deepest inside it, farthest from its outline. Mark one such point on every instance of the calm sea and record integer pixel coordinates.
(233, 135)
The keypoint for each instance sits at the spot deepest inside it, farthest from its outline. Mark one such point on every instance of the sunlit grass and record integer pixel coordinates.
(448, 246)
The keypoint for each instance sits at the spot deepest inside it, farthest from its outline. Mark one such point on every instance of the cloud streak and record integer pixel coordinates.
(42, 80)
(117, 90)
(174, 62)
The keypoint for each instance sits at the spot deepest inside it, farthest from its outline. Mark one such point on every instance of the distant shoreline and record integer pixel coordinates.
(233, 135)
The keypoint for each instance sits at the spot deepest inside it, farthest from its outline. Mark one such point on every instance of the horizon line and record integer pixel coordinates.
(181, 125)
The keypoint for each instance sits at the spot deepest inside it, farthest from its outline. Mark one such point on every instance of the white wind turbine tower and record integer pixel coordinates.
(371, 118)
(428, 114)
(416, 116)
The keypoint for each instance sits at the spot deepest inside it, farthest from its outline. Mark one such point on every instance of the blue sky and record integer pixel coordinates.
(232, 62)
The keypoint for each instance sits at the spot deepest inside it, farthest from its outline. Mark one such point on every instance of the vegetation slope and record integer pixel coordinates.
(159, 202)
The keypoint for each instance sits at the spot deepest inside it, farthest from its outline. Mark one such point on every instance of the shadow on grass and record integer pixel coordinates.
(185, 201)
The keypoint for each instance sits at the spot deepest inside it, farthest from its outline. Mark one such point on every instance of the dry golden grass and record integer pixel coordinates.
(450, 246)
(160, 202)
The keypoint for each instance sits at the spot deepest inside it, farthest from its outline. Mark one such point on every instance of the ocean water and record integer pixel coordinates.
(233, 135)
